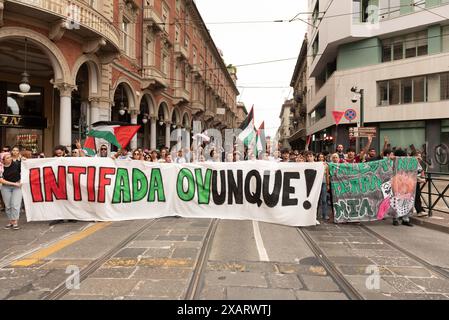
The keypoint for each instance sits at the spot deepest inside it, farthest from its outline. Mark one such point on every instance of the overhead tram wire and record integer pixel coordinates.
(318, 54)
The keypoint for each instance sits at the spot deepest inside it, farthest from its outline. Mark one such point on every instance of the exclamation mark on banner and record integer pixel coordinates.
(310, 180)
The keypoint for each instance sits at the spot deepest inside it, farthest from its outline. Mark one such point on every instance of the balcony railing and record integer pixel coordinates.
(82, 14)
(151, 73)
(197, 106)
(181, 93)
(181, 51)
(152, 17)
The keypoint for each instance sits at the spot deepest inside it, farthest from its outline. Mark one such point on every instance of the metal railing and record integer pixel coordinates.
(435, 192)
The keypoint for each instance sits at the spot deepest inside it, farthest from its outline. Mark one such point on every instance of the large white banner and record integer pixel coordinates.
(103, 189)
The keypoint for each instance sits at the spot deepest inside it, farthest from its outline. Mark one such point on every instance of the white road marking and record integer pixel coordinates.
(263, 256)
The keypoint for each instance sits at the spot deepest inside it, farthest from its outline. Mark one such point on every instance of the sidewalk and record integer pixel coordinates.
(438, 221)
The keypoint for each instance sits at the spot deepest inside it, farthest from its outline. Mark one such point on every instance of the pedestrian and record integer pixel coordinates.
(300, 158)
(11, 192)
(163, 154)
(324, 187)
(59, 151)
(401, 190)
(154, 156)
(309, 156)
(180, 157)
(340, 152)
(15, 154)
(335, 158)
(421, 178)
(136, 155)
(285, 155)
(122, 154)
(103, 152)
(75, 153)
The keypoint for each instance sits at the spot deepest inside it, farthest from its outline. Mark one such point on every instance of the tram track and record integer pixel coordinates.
(338, 277)
(61, 290)
(194, 288)
(439, 270)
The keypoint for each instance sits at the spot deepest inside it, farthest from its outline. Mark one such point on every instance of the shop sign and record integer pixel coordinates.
(16, 121)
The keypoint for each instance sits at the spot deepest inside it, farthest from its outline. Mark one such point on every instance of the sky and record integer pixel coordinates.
(245, 43)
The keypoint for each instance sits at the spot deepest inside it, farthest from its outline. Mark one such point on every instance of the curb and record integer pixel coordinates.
(429, 225)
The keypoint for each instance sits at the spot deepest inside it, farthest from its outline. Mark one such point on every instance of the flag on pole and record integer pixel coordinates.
(112, 132)
(90, 147)
(248, 133)
(260, 140)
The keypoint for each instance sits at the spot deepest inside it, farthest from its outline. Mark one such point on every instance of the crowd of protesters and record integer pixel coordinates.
(10, 164)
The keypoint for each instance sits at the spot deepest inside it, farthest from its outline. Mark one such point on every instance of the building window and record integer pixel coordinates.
(195, 59)
(444, 86)
(125, 35)
(386, 50)
(186, 42)
(404, 134)
(362, 10)
(177, 32)
(383, 93)
(316, 13)
(398, 50)
(445, 38)
(319, 112)
(165, 63)
(315, 46)
(409, 46)
(165, 16)
(419, 89)
(429, 88)
(394, 91)
(149, 52)
(406, 90)
(178, 5)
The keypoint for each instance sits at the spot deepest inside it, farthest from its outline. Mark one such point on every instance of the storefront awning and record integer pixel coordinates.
(298, 135)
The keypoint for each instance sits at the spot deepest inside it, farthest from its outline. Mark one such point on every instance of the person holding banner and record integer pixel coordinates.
(11, 192)
(402, 187)
(325, 187)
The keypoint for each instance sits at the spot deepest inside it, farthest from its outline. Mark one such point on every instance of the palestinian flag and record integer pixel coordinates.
(117, 134)
(260, 141)
(248, 133)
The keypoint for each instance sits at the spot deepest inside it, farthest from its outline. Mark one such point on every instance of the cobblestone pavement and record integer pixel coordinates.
(162, 257)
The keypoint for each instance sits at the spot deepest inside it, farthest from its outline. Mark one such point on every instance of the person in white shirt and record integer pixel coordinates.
(180, 157)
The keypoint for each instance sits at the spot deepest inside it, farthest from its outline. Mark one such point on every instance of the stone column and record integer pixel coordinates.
(167, 134)
(65, 114)
(133, 143)
(153, 133)
(94, 110)
(187, 137)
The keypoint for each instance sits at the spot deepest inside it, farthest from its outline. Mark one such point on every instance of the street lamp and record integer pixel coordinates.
(359, 94)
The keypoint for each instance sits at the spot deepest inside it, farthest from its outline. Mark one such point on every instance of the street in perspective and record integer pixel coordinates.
(201, 150)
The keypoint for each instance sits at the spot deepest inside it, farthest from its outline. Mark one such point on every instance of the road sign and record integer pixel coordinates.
(350, 114)
(337, 116)
(364, 132)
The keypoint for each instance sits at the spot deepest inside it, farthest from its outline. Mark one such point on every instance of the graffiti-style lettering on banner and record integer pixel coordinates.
(372, 190)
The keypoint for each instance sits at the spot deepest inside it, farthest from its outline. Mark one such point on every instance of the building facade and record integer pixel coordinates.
(298, 138)
(147, 62)
(397, 51)
(287, 127)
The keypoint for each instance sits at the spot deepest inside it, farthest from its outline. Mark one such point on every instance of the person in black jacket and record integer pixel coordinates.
(11, 192)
